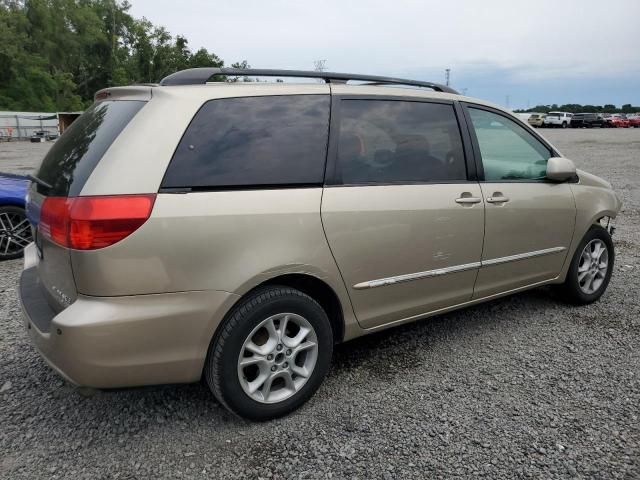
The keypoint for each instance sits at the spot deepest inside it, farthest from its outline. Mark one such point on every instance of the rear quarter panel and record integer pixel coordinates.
(227, 241)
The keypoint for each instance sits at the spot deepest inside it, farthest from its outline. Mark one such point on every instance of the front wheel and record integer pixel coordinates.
(271, 353)
(590, 269)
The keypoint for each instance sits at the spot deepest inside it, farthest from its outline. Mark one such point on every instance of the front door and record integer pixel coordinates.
(404, 224)
(529, 221)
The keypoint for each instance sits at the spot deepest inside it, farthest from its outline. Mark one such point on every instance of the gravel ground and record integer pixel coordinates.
(524, 387)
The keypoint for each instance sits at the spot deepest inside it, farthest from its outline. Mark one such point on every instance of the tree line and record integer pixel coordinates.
(55, 54)
(577, 108)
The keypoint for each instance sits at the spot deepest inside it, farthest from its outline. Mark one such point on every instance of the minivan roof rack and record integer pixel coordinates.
(197, 76)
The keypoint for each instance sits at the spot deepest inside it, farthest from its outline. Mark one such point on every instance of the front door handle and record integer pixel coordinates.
(497, 197)
(468, 200)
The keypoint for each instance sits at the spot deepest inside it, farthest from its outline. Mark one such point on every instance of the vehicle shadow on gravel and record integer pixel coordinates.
(403, 341)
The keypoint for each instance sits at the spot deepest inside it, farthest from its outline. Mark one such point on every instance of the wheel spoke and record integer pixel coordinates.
(23, 242)
(266, 387)
(272, 330)
(303, 346)
(24, 221)
(255, 360)
(582, 275)
(288, 381)
(586, 257)
(257, 349)
(260, 380)
(299, 338)
(300, 371)
(283, 327)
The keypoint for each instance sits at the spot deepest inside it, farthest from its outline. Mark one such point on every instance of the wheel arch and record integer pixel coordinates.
(10, 202)
(317, 289)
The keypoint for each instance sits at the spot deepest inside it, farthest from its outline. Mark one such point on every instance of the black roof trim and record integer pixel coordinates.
(197, 76)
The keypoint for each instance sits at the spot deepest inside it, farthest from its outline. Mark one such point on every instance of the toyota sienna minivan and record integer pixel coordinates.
(234, 232)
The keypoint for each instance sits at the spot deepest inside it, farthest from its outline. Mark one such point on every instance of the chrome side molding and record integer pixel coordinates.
(381, 282)
(522, 256)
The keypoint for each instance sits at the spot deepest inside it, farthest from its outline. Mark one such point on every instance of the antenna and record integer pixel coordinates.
(447, 76)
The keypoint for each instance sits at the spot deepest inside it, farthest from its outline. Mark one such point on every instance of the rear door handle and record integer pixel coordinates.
(468, 200)
(498, 199)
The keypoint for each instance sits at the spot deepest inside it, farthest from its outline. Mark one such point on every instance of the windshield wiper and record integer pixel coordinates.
(42, 183)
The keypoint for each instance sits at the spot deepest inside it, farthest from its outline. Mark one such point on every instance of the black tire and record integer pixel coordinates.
(221, 368)
(570, 290)
(9, 248)
(564, 124)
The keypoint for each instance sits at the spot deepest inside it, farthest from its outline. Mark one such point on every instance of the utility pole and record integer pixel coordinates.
(319, 65)
(447, 76)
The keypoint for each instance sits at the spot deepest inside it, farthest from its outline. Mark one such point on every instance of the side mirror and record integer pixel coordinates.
(560, 169)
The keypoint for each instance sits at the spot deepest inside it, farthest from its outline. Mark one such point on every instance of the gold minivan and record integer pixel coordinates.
(236, 231)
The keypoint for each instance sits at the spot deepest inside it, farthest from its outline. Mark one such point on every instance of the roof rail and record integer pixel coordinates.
(196, 76)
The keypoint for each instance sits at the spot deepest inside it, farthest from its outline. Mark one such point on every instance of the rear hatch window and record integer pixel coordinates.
(73, 157)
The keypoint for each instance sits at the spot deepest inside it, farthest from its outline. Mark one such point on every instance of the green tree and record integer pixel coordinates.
(55, 54)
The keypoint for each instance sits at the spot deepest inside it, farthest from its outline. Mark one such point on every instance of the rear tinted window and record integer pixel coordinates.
(76, 153)
(389, 141)
(253, 141)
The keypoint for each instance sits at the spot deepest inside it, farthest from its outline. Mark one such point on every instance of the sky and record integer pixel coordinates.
(515, 53)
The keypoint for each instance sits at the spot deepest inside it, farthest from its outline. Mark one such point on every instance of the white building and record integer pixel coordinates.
(22, 125)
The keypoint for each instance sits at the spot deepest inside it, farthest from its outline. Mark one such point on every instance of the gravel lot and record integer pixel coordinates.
(524, 387)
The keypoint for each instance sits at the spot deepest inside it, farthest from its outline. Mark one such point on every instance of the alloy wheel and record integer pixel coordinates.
(277, 358)
(15, 233)
(593, 266)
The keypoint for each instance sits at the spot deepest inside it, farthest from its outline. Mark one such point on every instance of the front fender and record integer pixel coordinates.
(594, 199)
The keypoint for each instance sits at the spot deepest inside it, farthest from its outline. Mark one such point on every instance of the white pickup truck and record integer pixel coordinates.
(557, 119)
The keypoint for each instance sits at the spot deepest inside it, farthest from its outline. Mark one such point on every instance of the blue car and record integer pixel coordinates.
(15, 231)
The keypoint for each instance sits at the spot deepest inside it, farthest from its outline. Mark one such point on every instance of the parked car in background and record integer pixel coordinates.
(557, 119)
(536, 119)
(39, 136)
(43, 136)
(300, 236)
(587, 120)
(634, 120)
(618, 120)
(15, 231)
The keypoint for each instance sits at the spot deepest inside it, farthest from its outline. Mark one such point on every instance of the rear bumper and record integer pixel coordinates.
(108, 342)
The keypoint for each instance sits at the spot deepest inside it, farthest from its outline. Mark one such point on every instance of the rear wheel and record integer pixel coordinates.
(271, 353)
(564, 124)
(15, 232)
(590, 269)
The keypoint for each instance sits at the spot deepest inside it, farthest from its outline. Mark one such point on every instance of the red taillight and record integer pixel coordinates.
(88, 223)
